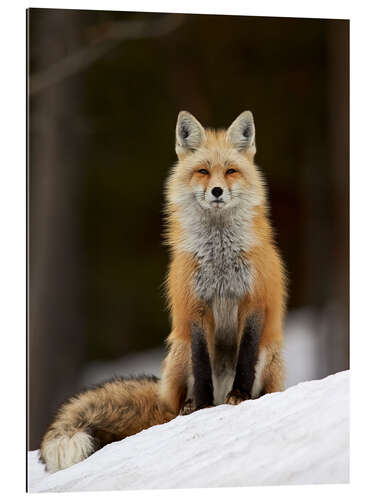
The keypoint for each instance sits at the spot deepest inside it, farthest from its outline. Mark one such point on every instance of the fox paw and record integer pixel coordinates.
(236, 397)
(190, 408)
(187, 408)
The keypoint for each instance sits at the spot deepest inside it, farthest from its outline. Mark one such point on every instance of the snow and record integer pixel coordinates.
(299, 436)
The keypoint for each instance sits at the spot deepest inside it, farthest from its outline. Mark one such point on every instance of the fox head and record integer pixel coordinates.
(215, 172)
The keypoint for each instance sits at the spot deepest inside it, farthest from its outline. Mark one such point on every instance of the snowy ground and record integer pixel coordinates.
(300, 436)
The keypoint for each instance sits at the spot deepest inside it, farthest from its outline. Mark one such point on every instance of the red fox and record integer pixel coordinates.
(226, 292)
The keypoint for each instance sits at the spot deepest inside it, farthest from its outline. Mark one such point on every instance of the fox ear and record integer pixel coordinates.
(189, 133)
(241, 134)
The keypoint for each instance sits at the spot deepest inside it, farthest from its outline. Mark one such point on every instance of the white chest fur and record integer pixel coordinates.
(218, 243)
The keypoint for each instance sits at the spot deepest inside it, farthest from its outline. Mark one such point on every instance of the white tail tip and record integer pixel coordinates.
(64, 451)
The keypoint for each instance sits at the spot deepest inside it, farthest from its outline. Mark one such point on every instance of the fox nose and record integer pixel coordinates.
(217, 191)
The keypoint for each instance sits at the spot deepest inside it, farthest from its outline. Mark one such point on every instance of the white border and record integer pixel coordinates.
(12, 247)
(272, 8)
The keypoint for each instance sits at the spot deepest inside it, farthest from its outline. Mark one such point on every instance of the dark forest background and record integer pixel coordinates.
(104, 90)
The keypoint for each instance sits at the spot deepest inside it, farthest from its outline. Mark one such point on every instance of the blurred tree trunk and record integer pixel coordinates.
(56, 327)
(338, 67)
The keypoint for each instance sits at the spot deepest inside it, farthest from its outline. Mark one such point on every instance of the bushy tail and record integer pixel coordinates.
(96, 417)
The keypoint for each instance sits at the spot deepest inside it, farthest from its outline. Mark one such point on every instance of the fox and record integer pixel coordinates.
(226, 292)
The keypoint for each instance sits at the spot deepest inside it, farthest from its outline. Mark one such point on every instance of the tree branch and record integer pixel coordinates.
(110, 35)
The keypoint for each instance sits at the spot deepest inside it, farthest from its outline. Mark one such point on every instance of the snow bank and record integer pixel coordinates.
(300, 436)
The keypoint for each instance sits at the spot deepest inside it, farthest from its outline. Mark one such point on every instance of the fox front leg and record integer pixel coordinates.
(203, 392)
(247, 358)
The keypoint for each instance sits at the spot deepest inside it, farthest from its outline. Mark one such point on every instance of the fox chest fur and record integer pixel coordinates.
(223, 276)
(222, 272)
(218, 245)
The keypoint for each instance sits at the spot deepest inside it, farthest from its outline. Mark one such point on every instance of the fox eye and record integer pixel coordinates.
(231, 171)
(203, 171)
